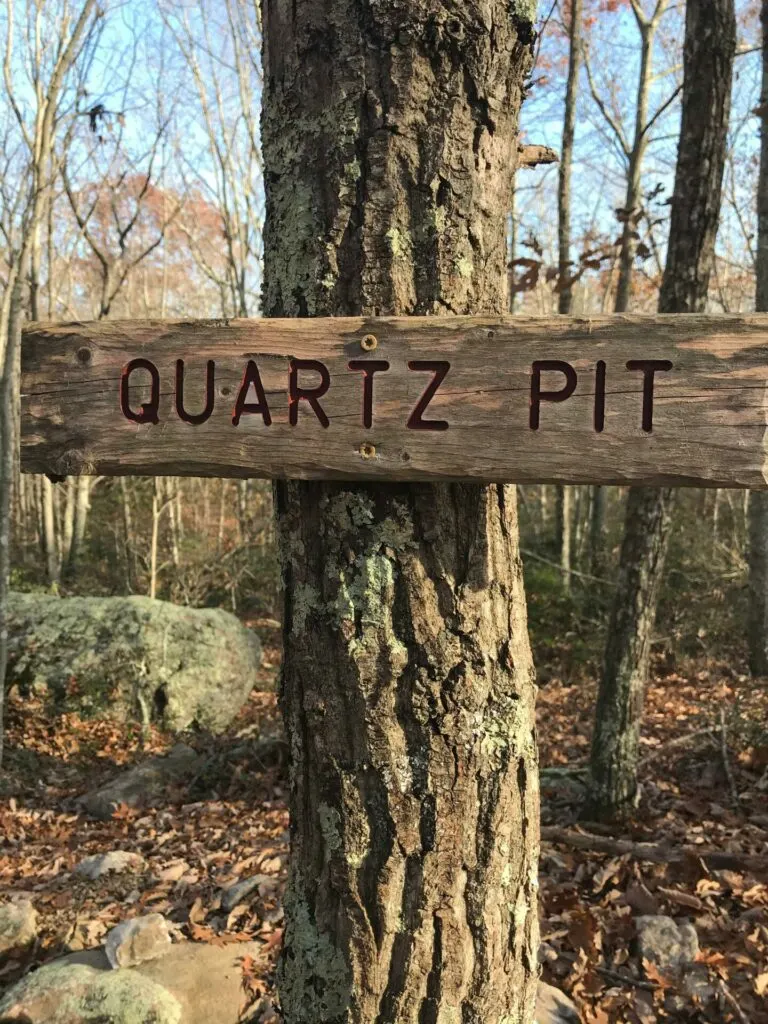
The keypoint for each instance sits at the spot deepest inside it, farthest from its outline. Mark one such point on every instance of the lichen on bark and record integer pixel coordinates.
(407, 685)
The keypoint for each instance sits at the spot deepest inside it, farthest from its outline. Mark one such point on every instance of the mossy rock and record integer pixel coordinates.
(132, 658)
(62, 993)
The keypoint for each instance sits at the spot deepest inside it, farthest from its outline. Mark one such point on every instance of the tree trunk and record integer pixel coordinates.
(758, 501)
(129, 542)
(10, 344)
(156, 512)
(565, 299)
(69, 518)
(407, 685)
(82, 507)
(619, 710)
(52, 564)
(710, 43)
(563, 520)
(596, 539)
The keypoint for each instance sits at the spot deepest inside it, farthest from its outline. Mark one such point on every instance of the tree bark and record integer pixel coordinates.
(710, 44)
(52, 563)
(407, 687)
(80, 520)
(565, 299)
(11, 314)
(758, 501)
(563, 521)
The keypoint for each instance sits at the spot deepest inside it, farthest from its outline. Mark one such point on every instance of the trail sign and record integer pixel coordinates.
(607, 399)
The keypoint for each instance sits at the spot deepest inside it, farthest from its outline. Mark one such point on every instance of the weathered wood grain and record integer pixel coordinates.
(710, 410)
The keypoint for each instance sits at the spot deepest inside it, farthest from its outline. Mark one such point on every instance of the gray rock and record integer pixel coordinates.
(666, 943)
(138, 940)
(133, 657)
(67, 993)
(117, 862)
(18, 927)
(554, 1007)
(240, 891)
(194, 983)
(143, 785)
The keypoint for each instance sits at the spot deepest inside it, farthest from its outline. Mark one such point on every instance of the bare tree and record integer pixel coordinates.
(710, 45)
(758, 501)
(56, 34)
(220, 47)
(633, 148)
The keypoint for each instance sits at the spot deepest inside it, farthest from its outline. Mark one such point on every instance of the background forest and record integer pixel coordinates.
(146, 177)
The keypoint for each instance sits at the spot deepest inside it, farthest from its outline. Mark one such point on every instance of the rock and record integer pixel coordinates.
(143, 785)
(240, 891)
(195, 983)
(554, 1007)
(117, 861)
(666, 943)
(138, 940)
(133, 657)
(65, 993)
(18, 927)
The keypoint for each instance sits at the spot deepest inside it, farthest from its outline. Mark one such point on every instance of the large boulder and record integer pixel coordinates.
(194, 983)
(133, 657)
(63, 993)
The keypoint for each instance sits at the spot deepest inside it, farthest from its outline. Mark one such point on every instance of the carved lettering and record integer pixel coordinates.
(538, 396)
(599, 419)
(148, 413)
(369, 367)
(199, 417)
(440, 369)
(649, 368)
(309, 395)
(251, 378)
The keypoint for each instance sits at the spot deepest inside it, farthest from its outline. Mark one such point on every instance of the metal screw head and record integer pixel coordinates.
(368, 451)
(369, 343)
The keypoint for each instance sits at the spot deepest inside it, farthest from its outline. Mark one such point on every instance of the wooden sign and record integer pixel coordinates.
(610, 399)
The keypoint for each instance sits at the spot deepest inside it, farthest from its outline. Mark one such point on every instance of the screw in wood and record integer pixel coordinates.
(369, 342)
(367, 450)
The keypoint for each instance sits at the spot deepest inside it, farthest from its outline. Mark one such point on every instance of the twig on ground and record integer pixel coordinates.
(679, 741)
(657, 853)
(733, 1002)
(619, 976)
(563, 771)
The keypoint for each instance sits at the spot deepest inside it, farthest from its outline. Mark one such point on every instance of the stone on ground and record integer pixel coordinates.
(137, 941)
(18, 927)
(133, 658)
(667, 944)
(195, 983)
(64, 993)
(115, 862)
(235, 894)
(554, 1007)
(143, 785)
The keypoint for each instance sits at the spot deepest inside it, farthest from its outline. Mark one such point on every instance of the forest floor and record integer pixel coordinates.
(705, 788)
